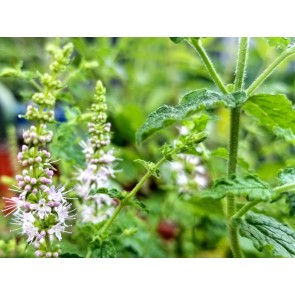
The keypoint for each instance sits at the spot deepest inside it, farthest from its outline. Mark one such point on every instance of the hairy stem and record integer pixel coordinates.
(241, 65)
(245, 209)
(197, 45)
(234, 145)
(284, 188)
(269, 70)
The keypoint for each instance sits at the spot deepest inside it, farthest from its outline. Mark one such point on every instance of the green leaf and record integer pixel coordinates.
(265, 231)
(207, 206)
(284, 133)
(220, 152)
(102, 249)
(271, 110)
(140, 205)
(17, 72)
(177, 39)
(290, 200)
(149, 166)
(250, 186)
(113, 193)
(286, 176)
(70, 255)
(189, 104)
(65, 144)
(278, 42)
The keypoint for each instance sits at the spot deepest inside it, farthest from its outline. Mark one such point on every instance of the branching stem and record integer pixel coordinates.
(130, 195)
(269, 70)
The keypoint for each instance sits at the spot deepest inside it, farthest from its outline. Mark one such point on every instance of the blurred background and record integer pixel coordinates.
(141, 74)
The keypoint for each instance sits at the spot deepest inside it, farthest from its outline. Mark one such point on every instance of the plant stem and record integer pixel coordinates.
(284, 188)
(241, 65)
(234, 144)
(269, 70)
(245, 209)
(131, 194)
(197, 45)
(48, 243)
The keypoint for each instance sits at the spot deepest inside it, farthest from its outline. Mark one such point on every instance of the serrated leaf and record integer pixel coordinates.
(149, 166)
(250, 186)
(113, 193)
(189, 104)
(265, 231)
(271, 110)
(101, 190)
(102, 249)
(140, 205)
(286, 175)
(278, 42)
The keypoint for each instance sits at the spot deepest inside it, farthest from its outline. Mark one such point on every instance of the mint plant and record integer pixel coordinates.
(274, 111)
(41, 209)
(99, 163)
(109, 215)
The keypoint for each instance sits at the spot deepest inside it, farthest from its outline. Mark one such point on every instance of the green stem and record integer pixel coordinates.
(48, 243)
(284, 188)
(269, 70)
(234, 145)
(245, 209)
(241, 65)
(234, 140)
(129, 197)
(36, 85)
(197, 45)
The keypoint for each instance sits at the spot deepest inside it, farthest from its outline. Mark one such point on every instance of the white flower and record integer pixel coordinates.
(14, 204)
(83, 189)
(42, 208)
(57, 230)
(107, 157)
(63, 212)
(28, 227)
(56, 195)
(87, 147)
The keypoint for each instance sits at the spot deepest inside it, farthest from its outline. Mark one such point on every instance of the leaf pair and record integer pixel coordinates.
(190, 103)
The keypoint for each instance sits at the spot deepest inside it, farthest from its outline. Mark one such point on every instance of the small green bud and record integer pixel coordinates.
(99, 89)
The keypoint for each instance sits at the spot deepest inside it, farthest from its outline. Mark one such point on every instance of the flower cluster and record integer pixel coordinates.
(41, 208)
(99, 163)
(188, 171)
